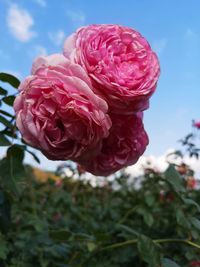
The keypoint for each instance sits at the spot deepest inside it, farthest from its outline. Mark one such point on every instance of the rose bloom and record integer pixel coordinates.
(125, 144)
(57, 111)
(120, 63)
(197, 124)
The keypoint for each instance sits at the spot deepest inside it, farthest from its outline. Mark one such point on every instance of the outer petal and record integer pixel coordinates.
(125, 144)
(58, 112)
(52, 60)
(70, 45)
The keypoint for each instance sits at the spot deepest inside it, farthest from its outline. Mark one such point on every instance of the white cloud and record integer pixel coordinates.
(159, 46)
(78, 18)
(190, 34)
(191, 43)
(157, 163)
(57, 37)
(20, 23)
(161, 163)
(42, 3)
(37, 51)
(40, 50)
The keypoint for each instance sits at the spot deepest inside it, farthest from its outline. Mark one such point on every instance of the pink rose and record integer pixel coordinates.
(57, 111)
(196, 124)
(125, 144)
(120, 63)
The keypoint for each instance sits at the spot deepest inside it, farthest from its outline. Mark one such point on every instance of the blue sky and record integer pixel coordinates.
(32, 27)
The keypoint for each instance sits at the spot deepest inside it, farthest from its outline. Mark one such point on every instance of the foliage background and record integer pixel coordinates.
(49, 219)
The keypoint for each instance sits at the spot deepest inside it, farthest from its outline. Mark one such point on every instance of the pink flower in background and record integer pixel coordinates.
(125, 144)
(197, 124)
(59, 183)
(120, 63)
(57, 111)
(195, 263)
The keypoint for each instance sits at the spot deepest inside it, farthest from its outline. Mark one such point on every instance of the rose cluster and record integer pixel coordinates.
(87, 104)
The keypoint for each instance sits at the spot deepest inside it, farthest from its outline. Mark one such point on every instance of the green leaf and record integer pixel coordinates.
(3, 91)
(9, 100)
(128, 229)
(3, 140)
(4, 249)
(6, 113)
(16, 152)
(103, 237)
(5, 122)
(148, 218)
(62, 235)
(5, 212)
(195, 222)
(61, 265)
(191, 202)
(82, 237)
(189, 255)
(174, 179)
(149, 199)
(91, 246)
(34, 156)
(9, 132)
(12, 172)
(169, 263)
(149, 251)
(194, 234)
(8, 78)
(182, 220)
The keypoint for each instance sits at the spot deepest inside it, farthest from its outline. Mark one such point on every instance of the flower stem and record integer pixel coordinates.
(134, 241)
(158, 241)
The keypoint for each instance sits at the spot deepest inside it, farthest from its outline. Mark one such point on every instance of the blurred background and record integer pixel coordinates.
(39, 27)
